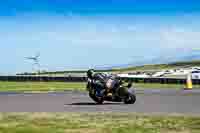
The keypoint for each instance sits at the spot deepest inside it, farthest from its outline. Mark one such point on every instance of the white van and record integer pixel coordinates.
(195, 74)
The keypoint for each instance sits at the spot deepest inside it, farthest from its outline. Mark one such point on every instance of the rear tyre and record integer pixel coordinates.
(130, 98)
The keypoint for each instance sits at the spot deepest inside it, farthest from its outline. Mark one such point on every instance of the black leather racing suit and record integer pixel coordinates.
(98, 82)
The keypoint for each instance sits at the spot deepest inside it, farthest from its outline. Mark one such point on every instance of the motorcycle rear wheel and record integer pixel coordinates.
(130, 98)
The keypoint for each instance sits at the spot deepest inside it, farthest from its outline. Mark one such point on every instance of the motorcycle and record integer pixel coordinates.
(115, 91)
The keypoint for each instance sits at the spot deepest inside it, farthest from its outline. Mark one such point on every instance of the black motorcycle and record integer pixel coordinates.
(115, 91)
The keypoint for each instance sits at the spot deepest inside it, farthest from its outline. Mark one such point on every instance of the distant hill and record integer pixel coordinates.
(180, 57)
(160, 66)
(171, 60)
(150, 67)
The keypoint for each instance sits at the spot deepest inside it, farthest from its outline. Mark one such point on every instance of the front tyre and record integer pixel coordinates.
(98, 100)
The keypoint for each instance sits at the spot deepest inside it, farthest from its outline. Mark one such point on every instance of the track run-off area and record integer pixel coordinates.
(152, 101)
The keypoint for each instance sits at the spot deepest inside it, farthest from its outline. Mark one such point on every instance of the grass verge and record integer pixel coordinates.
(41, 86)
(96, 123)
(60, 86)
(162, 86)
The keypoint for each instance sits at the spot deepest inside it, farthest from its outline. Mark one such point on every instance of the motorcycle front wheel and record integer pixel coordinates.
(98, 100)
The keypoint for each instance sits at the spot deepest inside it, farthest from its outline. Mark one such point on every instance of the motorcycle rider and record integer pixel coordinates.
(98, 81)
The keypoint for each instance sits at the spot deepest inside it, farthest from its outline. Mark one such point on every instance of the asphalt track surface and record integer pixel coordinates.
(148, 101)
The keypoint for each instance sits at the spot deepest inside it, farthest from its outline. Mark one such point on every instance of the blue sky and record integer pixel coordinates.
(91, 33)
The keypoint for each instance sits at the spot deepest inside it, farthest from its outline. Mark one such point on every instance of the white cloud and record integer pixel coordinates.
(112, 37)
(180, 38)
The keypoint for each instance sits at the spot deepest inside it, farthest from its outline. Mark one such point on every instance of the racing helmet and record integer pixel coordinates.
(90, 73)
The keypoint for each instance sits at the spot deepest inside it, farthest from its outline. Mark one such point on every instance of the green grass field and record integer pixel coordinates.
(59, 86)
(41, 86)
(96, 123)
